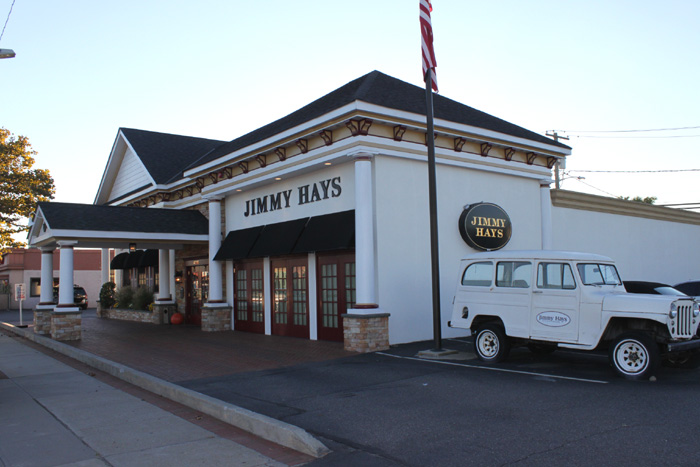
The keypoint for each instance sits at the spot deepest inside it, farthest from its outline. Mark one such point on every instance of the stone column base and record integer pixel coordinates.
(216, 317)
(66, 325)
(366, 332)
(162, 312)
(42, 319)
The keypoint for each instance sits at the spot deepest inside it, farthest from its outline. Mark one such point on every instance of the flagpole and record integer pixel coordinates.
(432, 195)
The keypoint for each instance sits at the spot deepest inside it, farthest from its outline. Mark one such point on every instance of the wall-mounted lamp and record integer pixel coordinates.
(178, 276)
(132, 247)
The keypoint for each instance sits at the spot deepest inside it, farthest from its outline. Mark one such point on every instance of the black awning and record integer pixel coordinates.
(278, 239)
(133, 260)
(330, 232)
(238, 244)
(119, 261)
(149, 258)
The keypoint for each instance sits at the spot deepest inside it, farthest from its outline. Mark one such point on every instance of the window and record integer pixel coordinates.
(598, 274)
(555, 276)
(513, 274)
(34, 287)
(478, 274)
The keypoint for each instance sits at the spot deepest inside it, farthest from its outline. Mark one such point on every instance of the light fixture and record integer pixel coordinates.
(327, 163)
(278, 178)
(7, 53)
(132, 247)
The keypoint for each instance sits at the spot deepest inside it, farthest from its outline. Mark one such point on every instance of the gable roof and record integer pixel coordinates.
(165, 155)
(386, 91)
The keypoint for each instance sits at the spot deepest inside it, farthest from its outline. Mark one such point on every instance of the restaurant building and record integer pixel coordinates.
(317, 225)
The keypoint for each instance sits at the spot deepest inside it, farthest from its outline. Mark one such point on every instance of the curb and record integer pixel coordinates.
(263, 426)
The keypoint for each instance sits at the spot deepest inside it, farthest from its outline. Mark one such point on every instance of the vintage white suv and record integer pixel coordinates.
(559, 299)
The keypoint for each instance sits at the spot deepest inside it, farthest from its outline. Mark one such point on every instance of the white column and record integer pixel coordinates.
(46, 295)
(164, 276)
(546, 208)
(267, 293)
(313, 297)
(104, 266)
(215, 269)
(66, 282)
(171, 278)
(364, 233)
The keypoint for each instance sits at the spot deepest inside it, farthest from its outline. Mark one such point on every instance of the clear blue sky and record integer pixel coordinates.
(218, 69)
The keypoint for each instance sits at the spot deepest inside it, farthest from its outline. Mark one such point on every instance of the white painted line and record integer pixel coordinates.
(502, 370)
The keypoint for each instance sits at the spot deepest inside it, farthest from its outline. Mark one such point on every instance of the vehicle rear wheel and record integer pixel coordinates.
(491, 344)
(634, 356)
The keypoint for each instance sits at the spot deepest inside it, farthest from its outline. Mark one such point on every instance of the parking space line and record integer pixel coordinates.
(503, 370)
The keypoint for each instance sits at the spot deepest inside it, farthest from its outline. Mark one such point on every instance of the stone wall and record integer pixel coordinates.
(66, 326)
(216, 318)
(366, 333)
(139, 316)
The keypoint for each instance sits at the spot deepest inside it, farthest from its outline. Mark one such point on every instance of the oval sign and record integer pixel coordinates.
(553, 319)
(485, 226)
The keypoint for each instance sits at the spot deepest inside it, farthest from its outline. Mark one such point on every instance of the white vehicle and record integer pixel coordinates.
(560, 299)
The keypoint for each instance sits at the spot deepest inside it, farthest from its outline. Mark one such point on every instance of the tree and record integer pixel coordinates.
(639, 199)
(21, 187)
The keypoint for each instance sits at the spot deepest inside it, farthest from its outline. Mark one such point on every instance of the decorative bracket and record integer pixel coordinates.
(243, 165)
(359, 127)
(303, 145)
(281, 153)
(459, 144)
(508, 153)
(262, 160)
(485, 148)
(531, 156)
(399, 131)
(327, 137)
(551, 161)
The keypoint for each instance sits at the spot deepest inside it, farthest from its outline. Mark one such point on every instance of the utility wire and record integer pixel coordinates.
(631, 131)
(8, 19)
(634, 171)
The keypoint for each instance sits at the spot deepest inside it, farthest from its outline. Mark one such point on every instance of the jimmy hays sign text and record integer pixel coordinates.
(485, 226)
(312, 193)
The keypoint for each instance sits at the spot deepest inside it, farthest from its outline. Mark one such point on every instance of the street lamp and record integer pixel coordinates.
(7, 53)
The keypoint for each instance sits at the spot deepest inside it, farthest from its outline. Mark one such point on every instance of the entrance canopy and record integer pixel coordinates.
(93, 226)
(320, 233)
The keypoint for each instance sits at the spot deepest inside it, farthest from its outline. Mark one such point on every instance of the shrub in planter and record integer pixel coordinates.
(107, 295)
(124, 297)
(142, 298)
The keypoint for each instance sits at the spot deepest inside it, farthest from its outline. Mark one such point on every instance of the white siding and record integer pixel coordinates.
(132, 175)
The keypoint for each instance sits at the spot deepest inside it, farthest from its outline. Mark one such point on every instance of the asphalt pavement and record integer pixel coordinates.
(394, 409)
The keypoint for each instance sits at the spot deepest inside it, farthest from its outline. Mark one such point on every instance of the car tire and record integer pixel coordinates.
(634, 356)
(491, 344)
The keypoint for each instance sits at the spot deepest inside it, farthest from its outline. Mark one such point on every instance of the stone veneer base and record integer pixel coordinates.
(66, 325)
(216, 318)
(366, 332)
(42, 321)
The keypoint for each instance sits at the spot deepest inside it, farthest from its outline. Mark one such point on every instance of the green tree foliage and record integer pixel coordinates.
(21, 187)
(639, 199)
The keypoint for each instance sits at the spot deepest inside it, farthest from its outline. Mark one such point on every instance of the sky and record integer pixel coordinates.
(219, 69)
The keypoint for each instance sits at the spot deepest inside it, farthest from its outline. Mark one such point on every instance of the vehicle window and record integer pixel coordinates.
(479, 274)
(555, 276)
(598, 274)
(513, 274)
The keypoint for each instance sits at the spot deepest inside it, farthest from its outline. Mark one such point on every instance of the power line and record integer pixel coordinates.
(638, 137)
(631, 131)
(8, 19)
(634, 171)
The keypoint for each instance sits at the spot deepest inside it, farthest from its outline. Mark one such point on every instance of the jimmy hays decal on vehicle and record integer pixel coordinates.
(553, 319)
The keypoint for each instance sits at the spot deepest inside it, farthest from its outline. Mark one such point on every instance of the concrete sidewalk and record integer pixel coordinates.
(52, 414)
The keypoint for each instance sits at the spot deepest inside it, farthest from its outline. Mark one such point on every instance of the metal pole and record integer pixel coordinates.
(432, 194)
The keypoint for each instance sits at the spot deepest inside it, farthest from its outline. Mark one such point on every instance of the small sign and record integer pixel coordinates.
(19, 292)
(485, 226)
(553, 319)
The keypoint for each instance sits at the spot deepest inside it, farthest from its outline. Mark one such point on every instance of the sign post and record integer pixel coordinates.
(20, 296)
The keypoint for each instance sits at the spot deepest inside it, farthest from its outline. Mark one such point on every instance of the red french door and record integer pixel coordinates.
(197, 292)
(249, 303)
(336, 293)
(290, 304)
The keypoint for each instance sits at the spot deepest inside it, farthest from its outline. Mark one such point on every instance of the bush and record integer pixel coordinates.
(142, 298)
(124, 297)
(107, 295)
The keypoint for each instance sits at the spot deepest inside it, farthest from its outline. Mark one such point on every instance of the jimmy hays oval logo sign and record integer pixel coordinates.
(553, 319)
(485, 226)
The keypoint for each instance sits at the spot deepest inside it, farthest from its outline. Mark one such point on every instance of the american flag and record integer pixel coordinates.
(426, 29)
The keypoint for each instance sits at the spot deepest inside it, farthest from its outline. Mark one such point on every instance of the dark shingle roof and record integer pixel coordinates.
(386, 91)
(165, 155)
(90, 217)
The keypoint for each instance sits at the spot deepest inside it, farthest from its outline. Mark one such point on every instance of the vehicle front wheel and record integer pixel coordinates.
(491, 344)
(634, 355)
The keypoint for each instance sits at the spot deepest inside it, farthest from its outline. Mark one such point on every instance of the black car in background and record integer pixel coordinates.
(691, 288)
(80, 297)
(654, 288)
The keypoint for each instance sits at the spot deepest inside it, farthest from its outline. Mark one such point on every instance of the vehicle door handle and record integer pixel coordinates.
(536, 291)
